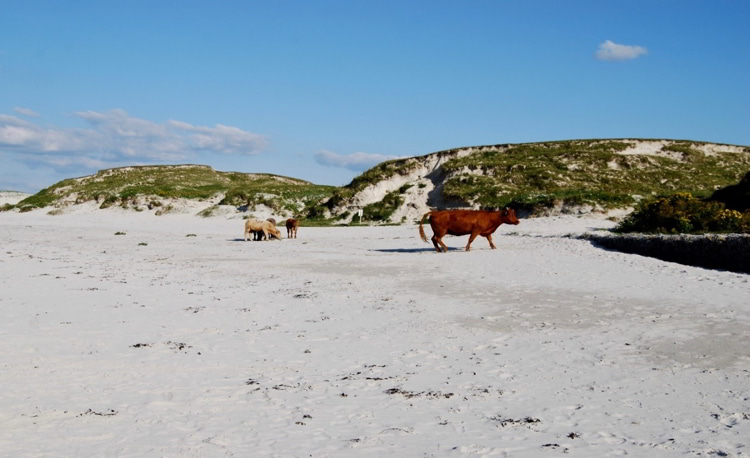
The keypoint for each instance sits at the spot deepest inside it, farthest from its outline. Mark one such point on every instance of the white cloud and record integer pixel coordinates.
(115, 138)
(613, 51)
(23, 136)
(26, 112)
(14, 131)
(357, 161)
(221, 138)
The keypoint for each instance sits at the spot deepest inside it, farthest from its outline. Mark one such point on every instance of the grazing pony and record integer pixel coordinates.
(261, 229)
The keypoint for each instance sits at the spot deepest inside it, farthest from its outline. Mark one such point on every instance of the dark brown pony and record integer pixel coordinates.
(291, 228)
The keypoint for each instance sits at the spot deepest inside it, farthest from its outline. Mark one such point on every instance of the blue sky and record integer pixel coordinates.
(322, 90)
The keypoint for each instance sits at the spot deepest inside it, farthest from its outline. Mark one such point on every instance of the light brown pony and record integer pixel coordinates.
(253, 226)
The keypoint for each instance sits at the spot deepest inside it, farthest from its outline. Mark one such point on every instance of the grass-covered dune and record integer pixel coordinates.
(157, 186)
(544, 177)
(535, 178)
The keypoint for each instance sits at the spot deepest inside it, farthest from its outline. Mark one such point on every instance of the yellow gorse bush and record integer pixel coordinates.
(682, 213)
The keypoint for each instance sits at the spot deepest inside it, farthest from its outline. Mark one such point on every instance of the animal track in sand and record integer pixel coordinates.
(176, 346)
(107, 413)
(414, 394)
(525, 421)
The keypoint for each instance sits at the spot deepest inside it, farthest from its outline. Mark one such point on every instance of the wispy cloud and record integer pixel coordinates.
(113, 138)
(221, 138)
(357, 161)
(614, 51)
(26, 112)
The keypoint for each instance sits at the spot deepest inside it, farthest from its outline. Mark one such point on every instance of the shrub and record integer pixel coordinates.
(381, 211)
(209, 211)
(683, 213)
(736, 196)
(405, 188)
(109, 201)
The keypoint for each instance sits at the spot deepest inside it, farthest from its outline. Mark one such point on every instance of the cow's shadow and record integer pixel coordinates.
(411, 250)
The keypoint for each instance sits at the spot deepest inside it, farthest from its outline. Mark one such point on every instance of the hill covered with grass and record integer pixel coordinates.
(541, 178)
(535, 178)
(158, 187)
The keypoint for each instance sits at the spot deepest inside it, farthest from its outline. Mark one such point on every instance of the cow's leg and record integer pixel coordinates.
(246, 232)
(489, 239)
(471, 239)
(437, 239)
(437, 242)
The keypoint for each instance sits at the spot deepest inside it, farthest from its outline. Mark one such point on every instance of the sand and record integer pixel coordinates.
(12, 197)
(128, 334)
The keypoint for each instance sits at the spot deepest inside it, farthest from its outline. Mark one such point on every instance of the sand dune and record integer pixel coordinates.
(12, 197)
(127, 334)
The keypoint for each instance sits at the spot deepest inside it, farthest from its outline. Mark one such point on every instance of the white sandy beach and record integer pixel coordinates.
(177, 338)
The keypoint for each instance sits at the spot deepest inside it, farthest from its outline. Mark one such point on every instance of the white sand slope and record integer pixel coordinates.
(179, 339)
(12, 197)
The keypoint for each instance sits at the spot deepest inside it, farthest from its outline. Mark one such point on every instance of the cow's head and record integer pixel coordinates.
(509, 216)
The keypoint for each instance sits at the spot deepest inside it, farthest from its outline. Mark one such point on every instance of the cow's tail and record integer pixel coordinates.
(421, 229)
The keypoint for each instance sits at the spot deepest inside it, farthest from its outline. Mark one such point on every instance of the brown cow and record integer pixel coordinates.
(291, 228)
(462, 222)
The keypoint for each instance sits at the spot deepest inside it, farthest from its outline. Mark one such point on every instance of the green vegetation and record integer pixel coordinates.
(208, 212)
(43, 198)
(381, 211)
(129, 185)
(534, 176)
(682, 213)
(736, 196)
(727, 210)
(380, 172)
